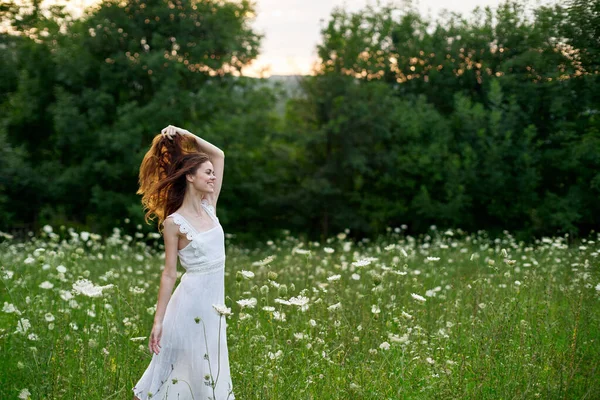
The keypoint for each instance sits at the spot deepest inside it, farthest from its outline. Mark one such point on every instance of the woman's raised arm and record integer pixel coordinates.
(216, 155)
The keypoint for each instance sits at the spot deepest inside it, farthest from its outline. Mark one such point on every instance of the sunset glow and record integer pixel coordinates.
(291, 28)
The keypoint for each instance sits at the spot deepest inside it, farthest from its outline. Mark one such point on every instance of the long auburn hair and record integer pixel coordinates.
(162, 174)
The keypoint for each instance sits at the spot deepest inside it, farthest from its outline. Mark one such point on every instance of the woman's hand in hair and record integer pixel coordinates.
(172, 130)
(169, 132)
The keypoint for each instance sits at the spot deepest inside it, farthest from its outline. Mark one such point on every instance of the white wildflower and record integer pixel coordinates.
(301, 251)
(244, 316)
(222, 309)
(328, 250)
(61, 268)
(398, 339)
(433, 258)
(137, 290)
(247, 274)
(23, 326)
(250, 303)
(282, 301)
(279, 316)
(8, 274)
(87, 288)
(300, 301)
(46, 285)
(66, 295)
(274, 356)
(362, 263)
(418, 297)
(25, 394)
(263, 262)
(10, 308)
(384, 346)
(334, 278)
(335, 306)
(29, 260)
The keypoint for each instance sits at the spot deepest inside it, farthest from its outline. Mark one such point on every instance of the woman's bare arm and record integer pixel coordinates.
(167, 282)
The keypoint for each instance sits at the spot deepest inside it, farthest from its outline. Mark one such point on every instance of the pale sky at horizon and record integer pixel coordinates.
(291, 28)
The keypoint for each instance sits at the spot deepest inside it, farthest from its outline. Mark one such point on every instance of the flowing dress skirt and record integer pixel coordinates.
(193, 361)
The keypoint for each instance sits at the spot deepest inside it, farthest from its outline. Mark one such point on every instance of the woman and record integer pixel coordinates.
(180, 180)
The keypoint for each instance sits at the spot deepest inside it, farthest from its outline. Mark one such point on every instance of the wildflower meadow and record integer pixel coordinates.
(446, 315)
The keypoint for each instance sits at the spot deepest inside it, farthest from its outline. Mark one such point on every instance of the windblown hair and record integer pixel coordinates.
(162, 174)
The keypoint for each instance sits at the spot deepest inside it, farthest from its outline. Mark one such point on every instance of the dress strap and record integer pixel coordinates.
(210, 210)
(184, 226)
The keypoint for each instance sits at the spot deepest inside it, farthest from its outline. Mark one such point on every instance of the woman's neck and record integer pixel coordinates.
(192, 202)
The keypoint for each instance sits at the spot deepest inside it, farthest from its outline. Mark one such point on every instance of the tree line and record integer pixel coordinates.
(481, 121)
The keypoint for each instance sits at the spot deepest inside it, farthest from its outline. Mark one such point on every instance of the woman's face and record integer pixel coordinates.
(204, 178)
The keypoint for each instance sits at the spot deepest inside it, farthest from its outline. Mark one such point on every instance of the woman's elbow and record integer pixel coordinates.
(169, 276)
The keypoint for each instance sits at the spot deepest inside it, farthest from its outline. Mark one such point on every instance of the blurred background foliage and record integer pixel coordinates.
(486, 121)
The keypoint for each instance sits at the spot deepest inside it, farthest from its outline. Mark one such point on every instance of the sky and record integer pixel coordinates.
(291, 28)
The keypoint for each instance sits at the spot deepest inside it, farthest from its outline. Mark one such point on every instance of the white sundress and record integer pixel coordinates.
(193, 361)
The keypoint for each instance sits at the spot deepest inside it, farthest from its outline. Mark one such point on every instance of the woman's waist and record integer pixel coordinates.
(203, 265)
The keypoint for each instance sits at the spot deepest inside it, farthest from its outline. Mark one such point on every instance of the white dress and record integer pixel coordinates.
(193, 361)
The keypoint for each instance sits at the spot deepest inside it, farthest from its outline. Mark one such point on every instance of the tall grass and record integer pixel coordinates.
(446, 315)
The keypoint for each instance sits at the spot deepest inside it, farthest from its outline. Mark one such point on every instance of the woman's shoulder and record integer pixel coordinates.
(169, 220)
(174, 219)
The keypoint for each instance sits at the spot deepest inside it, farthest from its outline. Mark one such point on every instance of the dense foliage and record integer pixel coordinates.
(488, 122)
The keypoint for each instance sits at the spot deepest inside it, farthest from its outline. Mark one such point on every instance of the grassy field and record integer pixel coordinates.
(442, 316)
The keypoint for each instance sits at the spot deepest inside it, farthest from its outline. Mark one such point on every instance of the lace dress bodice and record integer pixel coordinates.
(206, 250)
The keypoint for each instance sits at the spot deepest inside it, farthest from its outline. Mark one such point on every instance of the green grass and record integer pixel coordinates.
(524, 324)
